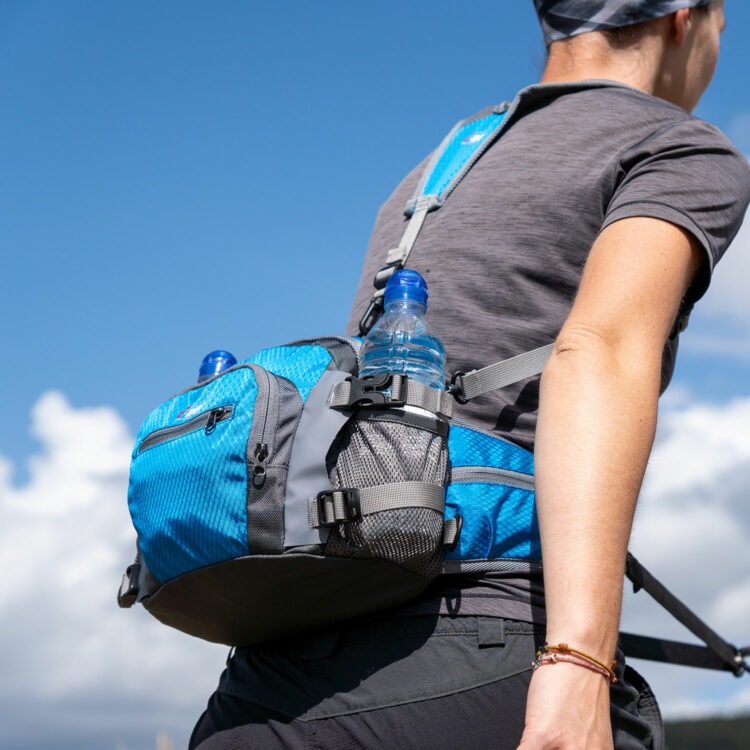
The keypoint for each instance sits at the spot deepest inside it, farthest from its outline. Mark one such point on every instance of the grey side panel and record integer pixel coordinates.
(266, 495)
(308, 475)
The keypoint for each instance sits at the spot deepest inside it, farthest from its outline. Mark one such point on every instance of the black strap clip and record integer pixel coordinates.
(456, 387)
(452, 532)
(375, 308)
(368, 391)
(372, 313)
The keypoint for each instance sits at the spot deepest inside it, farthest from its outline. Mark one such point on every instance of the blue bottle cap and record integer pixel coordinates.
(406, 284)
(215, 362)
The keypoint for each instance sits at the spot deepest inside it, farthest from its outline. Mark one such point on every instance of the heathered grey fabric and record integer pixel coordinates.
(561, 19)
(504, 255)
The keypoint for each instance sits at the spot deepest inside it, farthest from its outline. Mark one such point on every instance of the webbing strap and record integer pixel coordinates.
(398, 256)
(676, 652)
(469, 385)
(437, 401)
(338, 506)
(723, 654)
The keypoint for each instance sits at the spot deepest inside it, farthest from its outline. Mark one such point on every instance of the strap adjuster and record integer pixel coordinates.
(338, 506)
(452, 532)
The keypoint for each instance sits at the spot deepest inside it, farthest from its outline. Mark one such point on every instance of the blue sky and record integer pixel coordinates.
(178, 176)
(171, 170)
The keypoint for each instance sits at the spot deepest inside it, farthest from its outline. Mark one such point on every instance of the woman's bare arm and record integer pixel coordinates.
(597, 417)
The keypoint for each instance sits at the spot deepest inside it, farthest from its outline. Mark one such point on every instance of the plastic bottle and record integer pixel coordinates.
(399, 341)
(215, 362)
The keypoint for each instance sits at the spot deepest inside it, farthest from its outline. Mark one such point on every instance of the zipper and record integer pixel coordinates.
(491, 475)
(351, 341)
(206, 421)
(261, 435)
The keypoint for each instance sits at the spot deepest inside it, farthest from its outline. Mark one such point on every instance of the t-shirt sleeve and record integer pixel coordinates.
(691, 175)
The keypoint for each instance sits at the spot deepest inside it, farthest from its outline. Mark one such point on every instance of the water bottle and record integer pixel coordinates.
(409, 446)
(399, 342)
(215, 362)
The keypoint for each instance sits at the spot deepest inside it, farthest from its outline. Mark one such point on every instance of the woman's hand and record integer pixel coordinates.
(567, 709)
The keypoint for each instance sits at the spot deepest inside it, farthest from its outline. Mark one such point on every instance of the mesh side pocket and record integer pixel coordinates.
(369, 453)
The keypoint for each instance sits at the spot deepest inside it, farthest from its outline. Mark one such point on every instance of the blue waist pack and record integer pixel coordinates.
(285, 493)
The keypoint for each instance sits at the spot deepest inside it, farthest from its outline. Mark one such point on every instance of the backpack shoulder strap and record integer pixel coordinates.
(449, 164)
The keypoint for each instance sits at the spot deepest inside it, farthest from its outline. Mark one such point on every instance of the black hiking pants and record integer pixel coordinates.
(412, 683)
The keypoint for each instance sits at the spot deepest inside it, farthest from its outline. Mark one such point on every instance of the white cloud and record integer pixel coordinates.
(696, 444)
(692, 531)
(99, 675)
(105, 677)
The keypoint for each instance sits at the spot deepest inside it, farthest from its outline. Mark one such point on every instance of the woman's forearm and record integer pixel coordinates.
(596, 424)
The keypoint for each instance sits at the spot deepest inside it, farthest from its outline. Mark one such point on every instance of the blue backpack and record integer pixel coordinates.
(285, 493)
(279, 496)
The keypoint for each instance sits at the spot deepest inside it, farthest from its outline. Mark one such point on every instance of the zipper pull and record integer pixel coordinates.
(214, 418)
(259, 470)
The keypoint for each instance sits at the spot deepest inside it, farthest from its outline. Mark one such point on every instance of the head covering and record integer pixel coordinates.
(561, 19)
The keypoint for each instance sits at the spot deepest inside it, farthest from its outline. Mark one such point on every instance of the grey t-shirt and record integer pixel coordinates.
(503, 257)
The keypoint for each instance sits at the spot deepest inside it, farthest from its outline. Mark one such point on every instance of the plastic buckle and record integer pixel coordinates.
(384, 274)
(369, 391)
(350, 499)
(128, 593)
(451, 546)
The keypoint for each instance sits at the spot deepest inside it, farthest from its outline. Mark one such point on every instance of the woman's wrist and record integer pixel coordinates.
(599, 642)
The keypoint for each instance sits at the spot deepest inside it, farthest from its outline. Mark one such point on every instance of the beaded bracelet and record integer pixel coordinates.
(562, 652)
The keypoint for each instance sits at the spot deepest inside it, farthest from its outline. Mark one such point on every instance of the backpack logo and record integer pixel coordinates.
(190, 411)
(473, 138)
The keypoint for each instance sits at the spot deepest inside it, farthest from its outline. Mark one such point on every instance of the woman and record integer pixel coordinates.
(595, 221)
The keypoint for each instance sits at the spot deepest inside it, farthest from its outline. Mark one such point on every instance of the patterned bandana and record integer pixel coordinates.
(563, 18)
